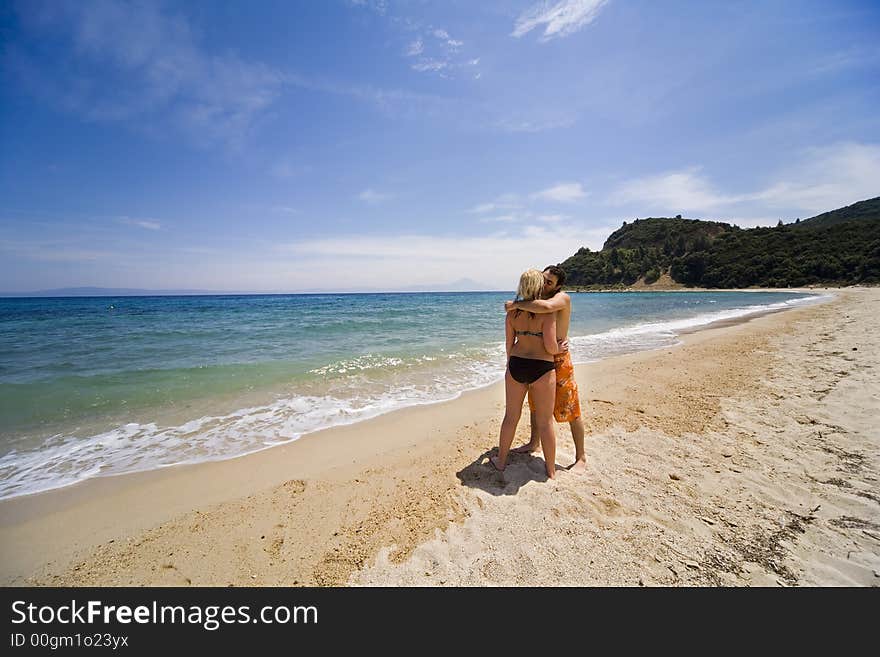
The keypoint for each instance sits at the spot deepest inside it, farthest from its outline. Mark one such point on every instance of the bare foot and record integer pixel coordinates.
(528, 448)
(494, 460)
(578, 466)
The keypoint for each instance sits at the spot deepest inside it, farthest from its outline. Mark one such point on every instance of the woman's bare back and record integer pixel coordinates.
(530, 334)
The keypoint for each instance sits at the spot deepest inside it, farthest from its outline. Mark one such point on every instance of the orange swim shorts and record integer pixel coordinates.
(568, 405)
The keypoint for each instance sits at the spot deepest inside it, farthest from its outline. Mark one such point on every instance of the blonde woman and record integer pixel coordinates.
(531, 344)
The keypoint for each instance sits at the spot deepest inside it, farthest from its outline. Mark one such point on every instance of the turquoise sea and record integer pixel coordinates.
(105, 385)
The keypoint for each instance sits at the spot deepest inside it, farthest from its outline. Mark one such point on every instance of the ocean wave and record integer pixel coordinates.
(62, 459)
(658, 335)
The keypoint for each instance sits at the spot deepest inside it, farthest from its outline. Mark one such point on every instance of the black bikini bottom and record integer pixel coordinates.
(528, 370)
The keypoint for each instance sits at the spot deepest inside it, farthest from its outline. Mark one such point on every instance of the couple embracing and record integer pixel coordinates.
(539, 365)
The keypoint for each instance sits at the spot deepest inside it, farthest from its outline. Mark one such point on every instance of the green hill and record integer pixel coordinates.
(841, 247)
(862, 211)
(675, 233)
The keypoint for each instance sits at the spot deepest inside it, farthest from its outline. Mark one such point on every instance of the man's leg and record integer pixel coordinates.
(580, 456)
(568, 409)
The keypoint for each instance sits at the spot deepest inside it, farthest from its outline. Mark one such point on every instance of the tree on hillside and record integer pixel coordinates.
(713, 254)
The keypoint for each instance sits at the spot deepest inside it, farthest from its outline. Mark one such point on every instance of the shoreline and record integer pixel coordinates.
(672, 288)
(392, 480)
(253, 449)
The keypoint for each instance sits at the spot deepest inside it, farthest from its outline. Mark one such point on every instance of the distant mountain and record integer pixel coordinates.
(461, 285)
(841, 247)
(108, 292)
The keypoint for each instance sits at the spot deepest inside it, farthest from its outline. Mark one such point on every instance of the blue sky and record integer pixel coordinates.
(344, 145)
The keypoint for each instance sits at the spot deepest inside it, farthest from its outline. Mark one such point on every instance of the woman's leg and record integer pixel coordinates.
(544, 395)
(515, 393)
(534, 440)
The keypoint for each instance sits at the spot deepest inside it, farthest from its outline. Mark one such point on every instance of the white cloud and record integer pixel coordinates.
(470, 114)
(284, 209)
(371, 196)
(826, 178)
(552, 218)
(379, 6)
(561, 193)
(505, 218)
(148, 66)
(397, 103)
(352, 262)
(148, 224)
(439, 55)
(430, 65)
(852, 57)
(539, 123)
(674, 192)
(365, 261)
(503, 202)
(201, 250)
(561, 20)
(822, 179)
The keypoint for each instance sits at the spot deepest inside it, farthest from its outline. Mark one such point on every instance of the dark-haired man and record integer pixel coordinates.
(568, 406)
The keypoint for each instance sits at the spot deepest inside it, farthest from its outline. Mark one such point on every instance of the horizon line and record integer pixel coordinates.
(48, 294)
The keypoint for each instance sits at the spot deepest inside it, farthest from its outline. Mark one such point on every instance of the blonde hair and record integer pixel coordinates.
(531, 283)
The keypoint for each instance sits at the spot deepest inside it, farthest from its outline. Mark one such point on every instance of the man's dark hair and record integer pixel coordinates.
(558, 272)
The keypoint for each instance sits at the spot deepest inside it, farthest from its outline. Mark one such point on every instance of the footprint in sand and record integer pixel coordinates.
(609, 506)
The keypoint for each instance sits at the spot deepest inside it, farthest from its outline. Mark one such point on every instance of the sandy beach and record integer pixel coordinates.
(748, 456)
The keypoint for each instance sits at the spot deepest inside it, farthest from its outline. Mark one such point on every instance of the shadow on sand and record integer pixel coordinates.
(521, 469)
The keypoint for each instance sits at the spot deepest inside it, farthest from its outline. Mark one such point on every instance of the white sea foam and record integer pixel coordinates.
(66, 459)
(657, 335)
